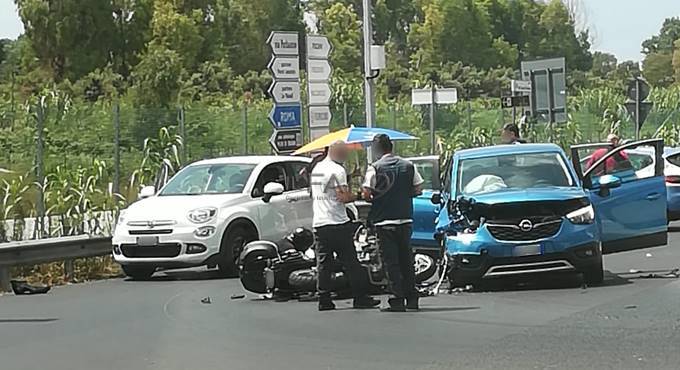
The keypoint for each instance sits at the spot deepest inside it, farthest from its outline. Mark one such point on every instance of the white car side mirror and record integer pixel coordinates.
(271, 189)
(146, 192)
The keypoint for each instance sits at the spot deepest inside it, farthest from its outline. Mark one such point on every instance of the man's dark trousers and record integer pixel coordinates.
(395, 247)
(338, 239)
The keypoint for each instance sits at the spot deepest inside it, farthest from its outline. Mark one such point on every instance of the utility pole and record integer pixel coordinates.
(116, 148)
(637, 109)
(368, 72)
(432, 112)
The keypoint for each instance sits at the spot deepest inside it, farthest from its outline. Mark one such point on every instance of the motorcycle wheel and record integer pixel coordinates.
(425, 267)
(306, 280)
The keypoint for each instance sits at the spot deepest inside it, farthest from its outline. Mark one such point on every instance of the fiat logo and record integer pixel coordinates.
(526, 225)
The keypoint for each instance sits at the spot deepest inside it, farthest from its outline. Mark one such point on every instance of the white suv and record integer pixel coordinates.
(209, 210)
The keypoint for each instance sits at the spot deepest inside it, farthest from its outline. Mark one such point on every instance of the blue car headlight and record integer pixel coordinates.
(582, 216)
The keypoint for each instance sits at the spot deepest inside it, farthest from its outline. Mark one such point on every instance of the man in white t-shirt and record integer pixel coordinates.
(334, 232)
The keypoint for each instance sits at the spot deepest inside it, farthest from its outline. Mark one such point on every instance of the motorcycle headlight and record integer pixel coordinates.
(202, 215)
(582, 216)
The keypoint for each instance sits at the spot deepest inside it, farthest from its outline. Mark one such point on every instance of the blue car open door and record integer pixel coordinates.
(627, 189)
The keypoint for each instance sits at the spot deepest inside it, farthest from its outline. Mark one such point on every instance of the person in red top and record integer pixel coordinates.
(617, 162)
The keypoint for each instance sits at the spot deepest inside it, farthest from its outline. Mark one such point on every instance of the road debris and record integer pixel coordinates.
(237, 296)
(206, 300)
(630, 306)
(648, 255)
(21, 287)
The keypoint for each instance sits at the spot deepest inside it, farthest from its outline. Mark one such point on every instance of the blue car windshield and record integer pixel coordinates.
(209, 179)
(515, 171)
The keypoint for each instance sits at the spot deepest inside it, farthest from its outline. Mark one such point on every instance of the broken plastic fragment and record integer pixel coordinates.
(238, 296)
(206, 300)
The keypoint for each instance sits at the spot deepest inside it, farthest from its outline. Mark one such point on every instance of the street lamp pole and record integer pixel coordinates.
(368, 72)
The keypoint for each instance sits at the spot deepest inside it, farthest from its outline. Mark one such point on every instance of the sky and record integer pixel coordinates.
(616, 26)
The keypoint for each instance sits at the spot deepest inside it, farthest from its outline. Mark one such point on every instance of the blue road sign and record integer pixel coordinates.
(286, 116)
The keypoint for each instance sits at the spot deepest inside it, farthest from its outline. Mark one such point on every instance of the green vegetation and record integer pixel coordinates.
(182, 76)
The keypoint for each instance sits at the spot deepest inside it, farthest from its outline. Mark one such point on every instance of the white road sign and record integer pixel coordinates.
(285, 68)
(319, 70)
(441, 96)
(421, 96)
(285, 92)
(317, 132)
(319, 93)
(318, 47)
(446, 96)
(319, 116)
(520, 86)
(284, 43)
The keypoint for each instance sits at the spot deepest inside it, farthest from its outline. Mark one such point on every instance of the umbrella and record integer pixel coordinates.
(352, 135)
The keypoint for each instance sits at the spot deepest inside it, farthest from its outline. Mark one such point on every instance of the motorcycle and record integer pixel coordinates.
(287, 268)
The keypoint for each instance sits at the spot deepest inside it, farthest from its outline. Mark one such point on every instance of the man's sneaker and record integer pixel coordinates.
(365, 302)
(395, 305)
(326, 305)
(412, 304)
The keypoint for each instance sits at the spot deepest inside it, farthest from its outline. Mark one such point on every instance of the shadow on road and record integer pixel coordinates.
(189, 275)
(26, 320)
(550, 282)
(447, 309)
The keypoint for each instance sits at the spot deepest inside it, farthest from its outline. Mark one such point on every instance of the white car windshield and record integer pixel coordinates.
(209, 179)
(515, 171)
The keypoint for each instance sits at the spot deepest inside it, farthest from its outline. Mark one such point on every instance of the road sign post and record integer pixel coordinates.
(319, 92)
(548, 96)
(637, 107)
(430, 96)
(286, 115)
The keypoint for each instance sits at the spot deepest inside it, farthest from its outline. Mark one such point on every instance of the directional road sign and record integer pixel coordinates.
(285, 68)
(441, 96)
(317, 132)
(515, 101)
(284, 43)
(286, 141)
(319, 116)
(285, 92)
(319, 70)
(318, 47)
(286, 116)
(319, 93)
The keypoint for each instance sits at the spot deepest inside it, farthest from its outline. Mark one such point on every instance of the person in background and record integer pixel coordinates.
(390, 184)
(334, 230)
(510, 134)
(616, 162)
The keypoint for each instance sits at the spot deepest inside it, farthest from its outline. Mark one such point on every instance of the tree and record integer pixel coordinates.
(341, 25)
(177, 31)
(603, 64)
(71, 37)
(560, 37)
(676, 60)
(658, 69)
(663, 42)
(157, 77)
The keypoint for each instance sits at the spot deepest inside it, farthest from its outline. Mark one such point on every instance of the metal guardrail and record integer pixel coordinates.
(31, 252)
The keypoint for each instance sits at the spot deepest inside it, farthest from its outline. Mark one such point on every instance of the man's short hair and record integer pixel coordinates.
(382, 142)
(511, 127)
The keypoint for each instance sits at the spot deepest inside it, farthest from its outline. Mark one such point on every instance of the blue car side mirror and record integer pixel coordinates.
(610, 181)
(436, 199)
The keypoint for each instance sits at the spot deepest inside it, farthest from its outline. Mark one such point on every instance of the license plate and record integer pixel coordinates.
(147, 241)
(527, 250)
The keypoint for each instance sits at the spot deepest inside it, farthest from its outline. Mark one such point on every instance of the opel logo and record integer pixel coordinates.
(526, 225)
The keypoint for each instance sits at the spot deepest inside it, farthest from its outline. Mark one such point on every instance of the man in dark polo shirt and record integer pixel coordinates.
(391, 183)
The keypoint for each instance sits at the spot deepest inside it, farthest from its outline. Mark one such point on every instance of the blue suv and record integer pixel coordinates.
(525, 209)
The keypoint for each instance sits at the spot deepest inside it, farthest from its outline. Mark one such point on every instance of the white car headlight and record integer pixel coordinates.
(202, 215)
(582, 216)
(120, 220)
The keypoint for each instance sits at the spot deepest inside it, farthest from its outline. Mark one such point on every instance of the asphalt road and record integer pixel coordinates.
(630, 322)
